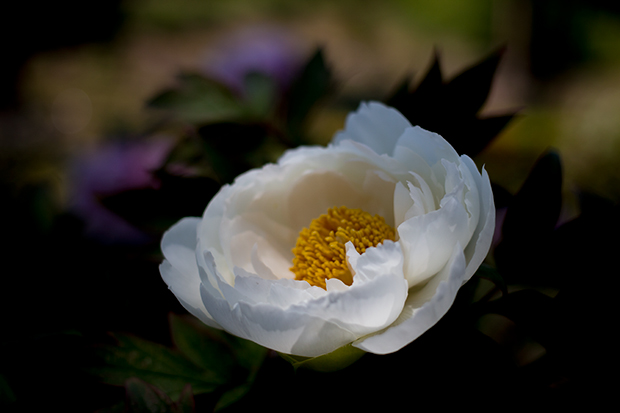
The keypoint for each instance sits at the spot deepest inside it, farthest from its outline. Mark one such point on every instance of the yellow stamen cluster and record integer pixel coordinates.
(320, 250)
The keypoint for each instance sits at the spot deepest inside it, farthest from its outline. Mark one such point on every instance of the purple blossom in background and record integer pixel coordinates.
(110, 168)
(269, 50)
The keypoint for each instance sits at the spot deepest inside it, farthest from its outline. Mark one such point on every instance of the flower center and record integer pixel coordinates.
(320, 252)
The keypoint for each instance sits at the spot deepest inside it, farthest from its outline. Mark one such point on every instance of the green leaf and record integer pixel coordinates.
(536, 207)
(313, 84)
(232, 396)
(451, 108)
(228, 147)
(7, 396)
(260, 94)
(467, 92)
(193, 337)
(158, 365)
(400, 95)
(142, 397)
(155, 209)
(523, 255)
(204, 346)
(481, 133)
(198, 100)
(422, 104)
(186, 403)
(248, 354)
(431, 86)
(221, 352)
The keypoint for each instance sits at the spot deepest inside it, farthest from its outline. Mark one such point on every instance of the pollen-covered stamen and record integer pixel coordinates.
(320, 252)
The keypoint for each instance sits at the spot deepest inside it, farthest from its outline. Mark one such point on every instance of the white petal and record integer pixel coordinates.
(373, 301)
(418, 199)
(375, 125)
(263, 311)
(285, 331)
(422, 310)
(179, 270)
(381, 186)
(245, 234)
(282, 293)
(402, 203)
(428, 240)
(179, 244)
(430, 147)
(413, 162)
(186, 293)
(477, 249)
(262, 270)
(314, 193)
(286, 293)
(472, 194)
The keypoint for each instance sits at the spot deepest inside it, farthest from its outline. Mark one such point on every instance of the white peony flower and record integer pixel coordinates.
(361, 245)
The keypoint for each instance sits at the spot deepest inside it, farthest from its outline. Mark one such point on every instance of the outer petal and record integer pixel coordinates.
(375, 125)
(269, 325)
(428, 145)
(314, 325)
(478, 247)
(422, 310)
(179, 270)
(286, 331)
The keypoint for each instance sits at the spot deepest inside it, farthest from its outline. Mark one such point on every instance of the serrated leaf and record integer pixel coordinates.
(158, 365)
(467, 92)
(432, 84)
(450, 108)
(421, 106)
(474, 135)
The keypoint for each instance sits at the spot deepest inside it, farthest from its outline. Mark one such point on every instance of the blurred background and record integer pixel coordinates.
(74, 124)
(74, 76)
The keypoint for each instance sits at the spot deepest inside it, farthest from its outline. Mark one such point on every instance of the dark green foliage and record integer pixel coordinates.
(212, 362)
(530, 221)
(451, 108)
(198, 99)
(155, 209)
(313, 84)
